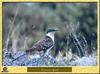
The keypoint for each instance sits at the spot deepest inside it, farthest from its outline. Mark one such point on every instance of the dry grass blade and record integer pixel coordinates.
(11, 29)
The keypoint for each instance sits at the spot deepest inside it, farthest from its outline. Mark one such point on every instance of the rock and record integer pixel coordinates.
(21, 59)
(85, 61)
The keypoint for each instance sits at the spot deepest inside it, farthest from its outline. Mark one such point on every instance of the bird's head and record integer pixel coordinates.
(52, 30)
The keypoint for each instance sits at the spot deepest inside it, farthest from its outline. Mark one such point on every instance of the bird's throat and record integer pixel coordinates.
(51, 35)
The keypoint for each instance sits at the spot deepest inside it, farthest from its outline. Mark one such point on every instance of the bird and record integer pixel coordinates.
(45, 44)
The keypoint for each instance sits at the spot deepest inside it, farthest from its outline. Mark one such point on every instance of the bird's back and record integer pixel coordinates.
(42, 45)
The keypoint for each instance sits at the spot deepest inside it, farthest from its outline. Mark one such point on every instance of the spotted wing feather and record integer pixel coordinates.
(42, 45)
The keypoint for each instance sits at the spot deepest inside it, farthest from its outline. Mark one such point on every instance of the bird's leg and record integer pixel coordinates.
(47, 53)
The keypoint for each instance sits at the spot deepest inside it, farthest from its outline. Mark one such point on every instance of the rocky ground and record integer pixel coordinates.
(45, 60)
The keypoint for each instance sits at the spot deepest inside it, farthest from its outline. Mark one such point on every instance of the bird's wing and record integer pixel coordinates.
(42, 45)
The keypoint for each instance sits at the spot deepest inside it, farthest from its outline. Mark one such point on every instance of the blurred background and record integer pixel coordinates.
(26, 23)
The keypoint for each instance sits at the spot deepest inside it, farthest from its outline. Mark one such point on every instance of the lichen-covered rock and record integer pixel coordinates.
(21, 59)
(85, 61)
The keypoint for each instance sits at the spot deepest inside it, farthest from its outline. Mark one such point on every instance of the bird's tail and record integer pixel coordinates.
(26, 52)
(19, 56)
